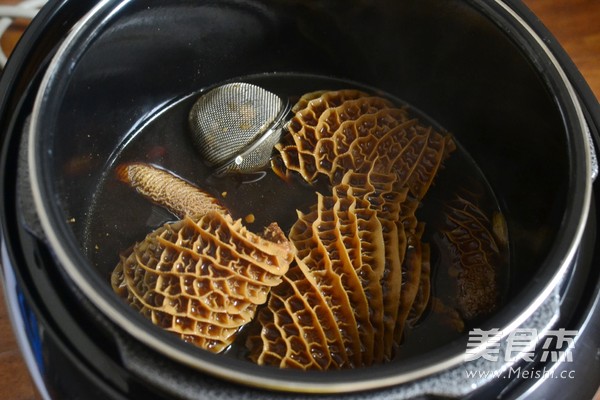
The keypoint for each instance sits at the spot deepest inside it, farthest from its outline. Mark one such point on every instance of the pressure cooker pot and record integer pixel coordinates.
(119, 90)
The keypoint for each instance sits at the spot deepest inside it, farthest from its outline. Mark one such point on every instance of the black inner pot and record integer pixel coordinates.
(495, 92)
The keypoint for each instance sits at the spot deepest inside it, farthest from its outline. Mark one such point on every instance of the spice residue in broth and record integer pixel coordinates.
(120, 218)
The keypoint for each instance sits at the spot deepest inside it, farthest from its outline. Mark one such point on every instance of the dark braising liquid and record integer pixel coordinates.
(119, 217)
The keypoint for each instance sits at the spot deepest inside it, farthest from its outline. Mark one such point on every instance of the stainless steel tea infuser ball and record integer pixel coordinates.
(236, 125)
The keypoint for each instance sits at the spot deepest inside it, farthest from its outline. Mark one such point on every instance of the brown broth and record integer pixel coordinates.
(119, 217)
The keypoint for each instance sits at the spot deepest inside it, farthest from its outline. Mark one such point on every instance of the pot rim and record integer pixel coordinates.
(70, 257)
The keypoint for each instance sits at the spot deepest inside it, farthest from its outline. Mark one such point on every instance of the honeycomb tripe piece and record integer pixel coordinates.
(415, 155)
(203, 279)
(357, 132)
(318, 101)
(301, 138)
(476, 260)
(298, 328)
(378, 191)
(348, 148)
(340, 261)
(363, 240)
(411, 278)
(167, 190)
(330, 120)
(302, 102)
(424, 290)
(316, 144)
(321, 254)
(306, 127)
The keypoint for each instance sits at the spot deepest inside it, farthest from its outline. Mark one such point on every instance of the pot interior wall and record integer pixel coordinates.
(443, 57)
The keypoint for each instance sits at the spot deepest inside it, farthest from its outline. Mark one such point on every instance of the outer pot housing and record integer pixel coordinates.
(473, 66)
